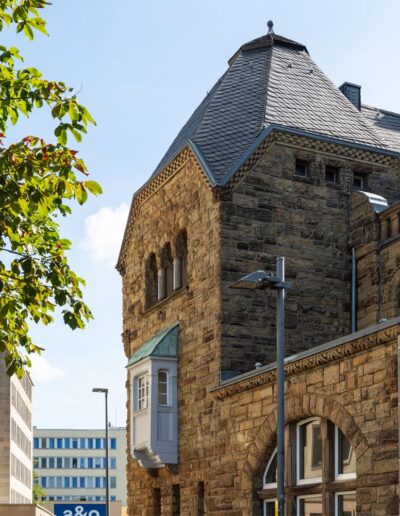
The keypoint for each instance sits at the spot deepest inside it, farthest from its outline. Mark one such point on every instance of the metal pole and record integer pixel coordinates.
(280, 369)
(107, 465)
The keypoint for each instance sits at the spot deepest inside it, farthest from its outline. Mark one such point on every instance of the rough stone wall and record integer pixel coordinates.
(358, 393)
(186, 201)
(306, 219)
(5, 401)
(376, 238)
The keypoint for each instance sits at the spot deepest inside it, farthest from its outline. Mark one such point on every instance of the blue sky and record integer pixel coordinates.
(142, 68)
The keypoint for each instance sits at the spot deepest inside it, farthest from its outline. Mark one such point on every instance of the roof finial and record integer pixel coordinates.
(270, 25)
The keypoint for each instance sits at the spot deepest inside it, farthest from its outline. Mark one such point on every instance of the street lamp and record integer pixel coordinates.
(105, 391)
(261, 280)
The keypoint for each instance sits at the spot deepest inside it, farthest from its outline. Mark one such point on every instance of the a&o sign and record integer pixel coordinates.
(79, 509)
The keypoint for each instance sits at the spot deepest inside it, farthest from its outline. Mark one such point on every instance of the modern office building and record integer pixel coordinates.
(15, 438)
(71, 464)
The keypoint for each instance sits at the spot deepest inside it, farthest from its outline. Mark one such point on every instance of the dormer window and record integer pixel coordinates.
(301, 168)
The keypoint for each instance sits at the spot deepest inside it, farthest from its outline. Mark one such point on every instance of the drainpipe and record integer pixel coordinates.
(353, 291)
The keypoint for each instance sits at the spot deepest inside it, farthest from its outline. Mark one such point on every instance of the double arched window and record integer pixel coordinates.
(166, 273)
(320, 472)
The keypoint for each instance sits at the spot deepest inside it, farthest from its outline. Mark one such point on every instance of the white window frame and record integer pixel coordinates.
(168, 402)
(341, 476)
(270, 485)
(304, 481)
(341, 493)
(138, 390)
(265, 504)
(361, 177)
(302, 497)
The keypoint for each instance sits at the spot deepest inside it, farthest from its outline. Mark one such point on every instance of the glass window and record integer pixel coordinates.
(98, 444)
(82, 462)
(345, 459)
(74, 482)
(66, 482)
(162, 383)
(113, 482)
(113, 498)
(43, 462)
(59, 443)
(75, 443)
(270, 507)
(74, 462)
(82, 444)
(270, 472)
(332, 174)
(59, 462)
(113, 463)
(301, 168)
(82, 482)
(309, 505)
(67, 442)
(345, 504)
(43, 481)
(44, 443)
(51, 462)
(358, 181)
(309, 451)
(142, 392)
(90, 462)
(51, 443)
(36, 442)
(113, 443)
(67, 462)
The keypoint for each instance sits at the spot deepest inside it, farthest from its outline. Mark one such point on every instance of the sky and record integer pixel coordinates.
(142, 68)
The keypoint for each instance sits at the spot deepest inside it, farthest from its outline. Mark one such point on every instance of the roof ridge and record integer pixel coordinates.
(381, 110)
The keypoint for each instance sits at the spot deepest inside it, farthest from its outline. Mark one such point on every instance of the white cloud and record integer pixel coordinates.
(42, 371)
(104, 232)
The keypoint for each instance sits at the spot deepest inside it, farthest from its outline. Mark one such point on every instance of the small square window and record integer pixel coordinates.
(332, 174)
(301, 168)
(359, 181)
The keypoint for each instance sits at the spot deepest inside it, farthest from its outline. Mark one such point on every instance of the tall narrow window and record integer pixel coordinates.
(345, 460)
(180, 261)
(200, 499)
(309, 452)
(151, 280)
(156, 501)
(142, 392)
(167, 266)
(176, 499)
(162, 385)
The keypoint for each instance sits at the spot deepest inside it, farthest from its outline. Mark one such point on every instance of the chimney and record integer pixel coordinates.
(352, 92)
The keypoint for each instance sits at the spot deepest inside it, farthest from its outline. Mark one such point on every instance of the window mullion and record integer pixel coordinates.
(327, 464)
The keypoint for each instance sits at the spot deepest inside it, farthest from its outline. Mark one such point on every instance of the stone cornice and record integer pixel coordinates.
(313, 358)
(151, 187)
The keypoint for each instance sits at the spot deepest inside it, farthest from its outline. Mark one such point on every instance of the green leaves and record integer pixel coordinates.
(38, 180)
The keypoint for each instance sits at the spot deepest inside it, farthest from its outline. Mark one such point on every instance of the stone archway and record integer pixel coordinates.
(298, 408)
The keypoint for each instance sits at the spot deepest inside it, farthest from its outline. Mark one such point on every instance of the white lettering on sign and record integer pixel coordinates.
(79, 512)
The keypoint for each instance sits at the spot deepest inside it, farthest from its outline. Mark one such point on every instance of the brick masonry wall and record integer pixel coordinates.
(271, 213)
(186, 201)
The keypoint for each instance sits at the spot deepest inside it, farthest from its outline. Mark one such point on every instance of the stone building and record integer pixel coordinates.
(275, 161)
(15, 438)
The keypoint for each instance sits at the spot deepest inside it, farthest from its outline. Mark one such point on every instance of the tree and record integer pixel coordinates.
(37, 490)
(38, 181)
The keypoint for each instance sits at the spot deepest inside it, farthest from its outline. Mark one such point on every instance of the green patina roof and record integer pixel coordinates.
(164, 344)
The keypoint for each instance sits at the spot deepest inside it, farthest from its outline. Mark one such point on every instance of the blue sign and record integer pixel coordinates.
(80, 509)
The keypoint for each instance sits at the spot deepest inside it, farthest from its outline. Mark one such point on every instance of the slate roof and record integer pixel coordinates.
(386, 123)
(272, 81)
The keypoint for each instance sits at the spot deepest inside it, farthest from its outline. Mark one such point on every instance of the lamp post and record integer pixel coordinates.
(262, 280)
(105, 391)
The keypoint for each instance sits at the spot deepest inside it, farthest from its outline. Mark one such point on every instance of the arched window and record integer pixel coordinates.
(165, 274)
(151, 280)
(319, 459)
(180, 260)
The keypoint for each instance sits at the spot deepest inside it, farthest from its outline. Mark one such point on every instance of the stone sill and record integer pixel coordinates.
(166, 300)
